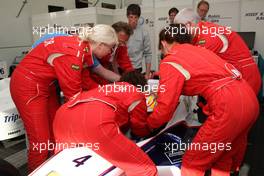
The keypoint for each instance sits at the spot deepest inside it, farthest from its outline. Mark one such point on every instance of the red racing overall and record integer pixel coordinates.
(95, 117)
(59, 58)
(229, 46)
(233, 107)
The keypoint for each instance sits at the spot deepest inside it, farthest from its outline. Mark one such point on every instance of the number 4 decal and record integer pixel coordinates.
(81, 160)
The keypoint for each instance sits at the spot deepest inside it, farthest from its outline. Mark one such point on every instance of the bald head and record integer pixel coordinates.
(186, 15)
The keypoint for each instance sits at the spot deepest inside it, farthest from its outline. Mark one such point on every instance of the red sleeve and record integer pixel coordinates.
(105, 61)
(87, 82)
(213, 43)
(170, 88)
(138, 117)
(68, 71)
(123, 59)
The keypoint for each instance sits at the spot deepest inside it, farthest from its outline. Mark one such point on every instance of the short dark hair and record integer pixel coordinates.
(133, 9)
(203, 2)
(173, 9)
(122, 26)
(135, 78)
(174, 33)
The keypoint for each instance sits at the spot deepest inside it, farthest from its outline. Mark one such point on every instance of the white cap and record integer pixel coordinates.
(187, 15)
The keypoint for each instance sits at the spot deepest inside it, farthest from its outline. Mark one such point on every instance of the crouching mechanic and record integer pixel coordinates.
(57, 58)
(99, 113)
(226, 43)
(189, 70)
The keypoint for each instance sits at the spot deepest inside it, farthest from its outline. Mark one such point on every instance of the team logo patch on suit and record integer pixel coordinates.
(201, 42)
(86, 49)
(75, 67)
(49, 41)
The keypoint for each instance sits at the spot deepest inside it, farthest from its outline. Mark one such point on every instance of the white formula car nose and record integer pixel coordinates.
(10, 121)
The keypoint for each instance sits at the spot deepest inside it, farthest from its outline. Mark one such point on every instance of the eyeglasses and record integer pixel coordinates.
(112, 48)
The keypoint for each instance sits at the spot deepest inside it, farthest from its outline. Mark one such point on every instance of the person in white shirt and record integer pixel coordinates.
(139, 46)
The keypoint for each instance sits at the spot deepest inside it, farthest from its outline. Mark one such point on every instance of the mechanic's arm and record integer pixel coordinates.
(147, 53)
(138, 119)
(106, 74)
(68, 71)
(217, 44)
(170, 88)
(115, 66)
(87, 82)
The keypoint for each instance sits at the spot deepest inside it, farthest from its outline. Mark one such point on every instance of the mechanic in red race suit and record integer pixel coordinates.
(58, 58)
(233, 106)
(226, 43)
(99, 114)
(118, 62)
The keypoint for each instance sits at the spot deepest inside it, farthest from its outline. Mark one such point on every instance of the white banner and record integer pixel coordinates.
(252, 19)
(225, 13)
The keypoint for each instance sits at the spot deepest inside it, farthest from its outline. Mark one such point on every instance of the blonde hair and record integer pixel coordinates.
(187, 15)
(100, 33)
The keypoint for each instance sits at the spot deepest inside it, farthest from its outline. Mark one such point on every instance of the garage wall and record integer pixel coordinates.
(252, 19)
(41, 6)
(16, 33)
(241, 15)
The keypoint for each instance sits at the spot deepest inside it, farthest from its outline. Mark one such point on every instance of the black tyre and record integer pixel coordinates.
(7, 169)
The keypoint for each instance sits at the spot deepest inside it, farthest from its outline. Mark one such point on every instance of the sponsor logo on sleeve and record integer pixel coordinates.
(201, 42)
(75, 67)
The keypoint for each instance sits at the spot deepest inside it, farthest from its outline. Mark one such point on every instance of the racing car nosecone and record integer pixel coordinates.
(11, 118)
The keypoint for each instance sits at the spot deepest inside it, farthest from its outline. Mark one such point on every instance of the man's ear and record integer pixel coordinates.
(164, 44)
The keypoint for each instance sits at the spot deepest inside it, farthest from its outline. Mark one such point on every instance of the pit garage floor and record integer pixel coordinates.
(14, 151)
